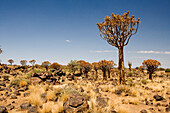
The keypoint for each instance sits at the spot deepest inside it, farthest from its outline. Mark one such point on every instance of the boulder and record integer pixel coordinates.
(35, 80)
(3, 109)
(75, 103)
(25, 106)
(158, 98)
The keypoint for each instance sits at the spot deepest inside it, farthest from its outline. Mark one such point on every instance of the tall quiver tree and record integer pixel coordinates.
(117, 31)
(151, 66)
(23, 62)
(11, 61)
(32, 62)
(95, 66)
(130, 65)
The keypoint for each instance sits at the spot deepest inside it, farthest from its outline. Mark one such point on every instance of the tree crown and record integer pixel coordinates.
(118, 29)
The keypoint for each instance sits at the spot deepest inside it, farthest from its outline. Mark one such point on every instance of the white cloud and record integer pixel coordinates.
(155, 52)
(101, 51)
(68, 41)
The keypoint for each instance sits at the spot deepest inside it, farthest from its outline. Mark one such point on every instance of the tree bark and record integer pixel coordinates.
(96, 75)
(104, 75)
(108, 73)
(121, 77)
(150, 76)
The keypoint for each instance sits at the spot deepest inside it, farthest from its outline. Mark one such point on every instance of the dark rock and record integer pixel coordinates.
(25, 88)
(13, 97)
(167, 109)
(13, 101)
(33, 109)
(76, 103)
(10, 107)
(2, 83)
(3, 109)
(113, 111)
(81, 89)
(158, 104)
(2, 89)
(118, 92)
(16, 93)
(165, 105)
(143, 111)
(147, 88)
(158, 98)
(1, 99)
(151, 109)
(25, 106)
(26, 94)
(44, 95)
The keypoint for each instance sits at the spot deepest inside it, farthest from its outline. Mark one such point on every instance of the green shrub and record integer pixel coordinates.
(130, 74)
(167, 70)
(144, 81)
(18, 80)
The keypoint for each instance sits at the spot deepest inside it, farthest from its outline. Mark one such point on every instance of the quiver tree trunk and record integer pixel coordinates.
(104, 75)
(150, 76)
(108, 73)
(121, 76)
(96, 74)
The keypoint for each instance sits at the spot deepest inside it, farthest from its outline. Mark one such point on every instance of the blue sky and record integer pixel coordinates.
(64, 30)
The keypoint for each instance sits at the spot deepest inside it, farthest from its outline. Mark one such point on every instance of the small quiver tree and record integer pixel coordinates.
(55, 66)
(86, 68)
(151, 66)
(130, 66)
(72, 66)
(11, 61)
(117, 31)
(23, 62)
(32, 62)
(46, 64)
(103, 65)
(95, 66)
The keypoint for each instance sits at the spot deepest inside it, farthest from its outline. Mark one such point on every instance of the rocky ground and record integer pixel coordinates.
(27, 90)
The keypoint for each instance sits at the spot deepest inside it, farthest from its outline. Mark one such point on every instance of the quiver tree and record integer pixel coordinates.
(80, 65)
(32, 62)
(11, 61)
(46, 64)
(151, 66)
(55, 65)
(130, 65)
(95, 66)
(117, 31)
(110, 65)
(103, 65)
(23, 62)
(86, 68)
(72, 66)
